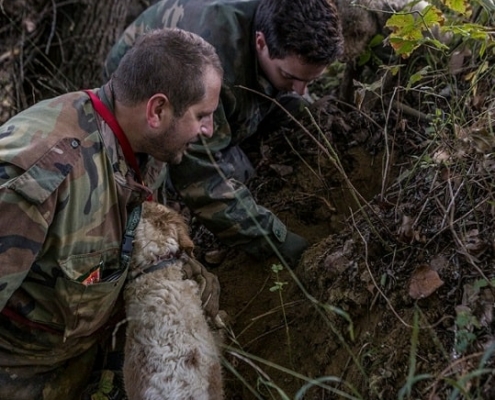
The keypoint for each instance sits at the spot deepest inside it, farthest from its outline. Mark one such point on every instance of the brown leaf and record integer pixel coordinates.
(282, 170)
(473, 243)
(405, 231)
(439, 263)
(215, 256)
(457, 60)
(424, 282)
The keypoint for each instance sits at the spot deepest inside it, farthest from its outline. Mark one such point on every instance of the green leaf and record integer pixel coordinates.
(403, 47)
(364, 58)
(414, 78)
(461, 6)
(277, 267)
(432, 16)
(377, 40)
(400, 21)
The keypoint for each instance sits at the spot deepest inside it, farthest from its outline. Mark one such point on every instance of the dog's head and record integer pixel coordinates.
(161, 234)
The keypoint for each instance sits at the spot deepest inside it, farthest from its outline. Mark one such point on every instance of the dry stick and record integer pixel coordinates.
(411, 111)
(31, 39)
(276, 309)
(459, 242)
(267, 333)
(381, 292)
(232, 369)
(387, 151)
(248, 361)
(332, 157)
(9, 54)
(451, 205)
(446, 370)
(252, 298)
(53, 25)
(469, 257)
(373, 278)
(423, 207)
(255, 319)
(325, 201)
(458, 219)
(303, 160)
(354, 108)
(292, 373)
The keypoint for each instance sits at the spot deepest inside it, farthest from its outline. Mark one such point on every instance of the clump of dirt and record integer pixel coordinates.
(411, 278)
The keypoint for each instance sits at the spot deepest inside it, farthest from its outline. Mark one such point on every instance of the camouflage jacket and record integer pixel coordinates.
(65, 193)
(204, 178)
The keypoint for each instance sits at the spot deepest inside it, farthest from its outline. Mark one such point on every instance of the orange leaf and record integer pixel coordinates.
(424, 282)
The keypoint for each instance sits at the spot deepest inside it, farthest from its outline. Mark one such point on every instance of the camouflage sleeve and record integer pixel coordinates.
(23, 233)
(205, 180)
(27, 208)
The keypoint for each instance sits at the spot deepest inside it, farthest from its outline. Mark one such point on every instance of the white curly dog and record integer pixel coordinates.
(170, 351)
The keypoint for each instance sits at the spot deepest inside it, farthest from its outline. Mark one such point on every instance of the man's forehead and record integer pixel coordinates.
(295, 69)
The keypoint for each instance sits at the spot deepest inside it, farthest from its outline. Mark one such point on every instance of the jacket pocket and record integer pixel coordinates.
(86, 306)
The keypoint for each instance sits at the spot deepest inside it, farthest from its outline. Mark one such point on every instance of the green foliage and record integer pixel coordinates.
(430, 26)
(369, 53)
(278, 285)
(461, 6)
(466, 323)
(407, 30)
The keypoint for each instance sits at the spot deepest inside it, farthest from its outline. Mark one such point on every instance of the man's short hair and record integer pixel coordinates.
(310, 29)
(169, 61)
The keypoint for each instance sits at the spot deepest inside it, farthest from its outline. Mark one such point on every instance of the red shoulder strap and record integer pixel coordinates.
(112, 122)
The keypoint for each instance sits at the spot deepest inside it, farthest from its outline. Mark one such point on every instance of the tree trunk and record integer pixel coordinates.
(85, 32)
(50, 47)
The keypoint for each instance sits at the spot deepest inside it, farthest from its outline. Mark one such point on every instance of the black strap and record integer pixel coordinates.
(155, 267)
(128, 239)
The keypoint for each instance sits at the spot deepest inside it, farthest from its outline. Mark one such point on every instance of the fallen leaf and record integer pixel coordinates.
(457, 60)
(405, 231)
(282, 170)
(439, 263)
(215, 257)
(424, 281)
(441, 156)
(473, 243)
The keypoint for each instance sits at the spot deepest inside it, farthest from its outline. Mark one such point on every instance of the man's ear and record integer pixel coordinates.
(158, 110)
(260, 41)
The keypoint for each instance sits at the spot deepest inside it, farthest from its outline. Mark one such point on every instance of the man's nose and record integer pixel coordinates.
(207, 127)
(299, 87)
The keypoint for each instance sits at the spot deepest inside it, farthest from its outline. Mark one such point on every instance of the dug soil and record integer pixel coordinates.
(391, 300)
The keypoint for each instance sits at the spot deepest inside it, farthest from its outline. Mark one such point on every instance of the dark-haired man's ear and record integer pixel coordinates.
(260, 41)
(158, 109)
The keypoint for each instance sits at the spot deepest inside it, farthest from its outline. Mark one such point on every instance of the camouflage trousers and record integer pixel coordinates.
(65, 382)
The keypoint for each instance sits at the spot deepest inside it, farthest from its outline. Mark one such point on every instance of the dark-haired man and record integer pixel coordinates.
(274, 47)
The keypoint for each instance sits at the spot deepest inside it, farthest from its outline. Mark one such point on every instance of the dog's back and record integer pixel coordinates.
(170, 352)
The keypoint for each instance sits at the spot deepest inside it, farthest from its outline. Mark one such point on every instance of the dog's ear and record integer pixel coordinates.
(185, 242)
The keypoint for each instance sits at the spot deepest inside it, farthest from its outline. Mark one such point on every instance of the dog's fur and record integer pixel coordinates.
(170, 351)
